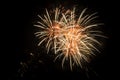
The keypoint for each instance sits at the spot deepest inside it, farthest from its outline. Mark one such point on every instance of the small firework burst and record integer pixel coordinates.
(69, 35)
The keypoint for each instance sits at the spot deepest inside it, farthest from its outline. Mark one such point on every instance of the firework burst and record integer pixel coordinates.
(71, 37)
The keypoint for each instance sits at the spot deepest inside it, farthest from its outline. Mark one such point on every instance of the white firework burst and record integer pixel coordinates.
(69, 35)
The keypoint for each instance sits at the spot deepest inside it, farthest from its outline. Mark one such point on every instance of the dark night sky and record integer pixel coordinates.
(20, 41)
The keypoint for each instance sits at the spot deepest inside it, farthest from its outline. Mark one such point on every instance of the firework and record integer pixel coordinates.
(71, 37)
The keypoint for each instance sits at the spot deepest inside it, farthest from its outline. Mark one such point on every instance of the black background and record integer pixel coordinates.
(19, 41)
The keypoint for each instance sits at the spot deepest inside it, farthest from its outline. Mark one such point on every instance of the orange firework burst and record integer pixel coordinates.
(69, 35)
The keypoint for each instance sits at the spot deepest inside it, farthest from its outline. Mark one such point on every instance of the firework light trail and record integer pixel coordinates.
(71, 36)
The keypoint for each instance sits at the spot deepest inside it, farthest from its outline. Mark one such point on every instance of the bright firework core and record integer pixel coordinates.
(71, 37)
